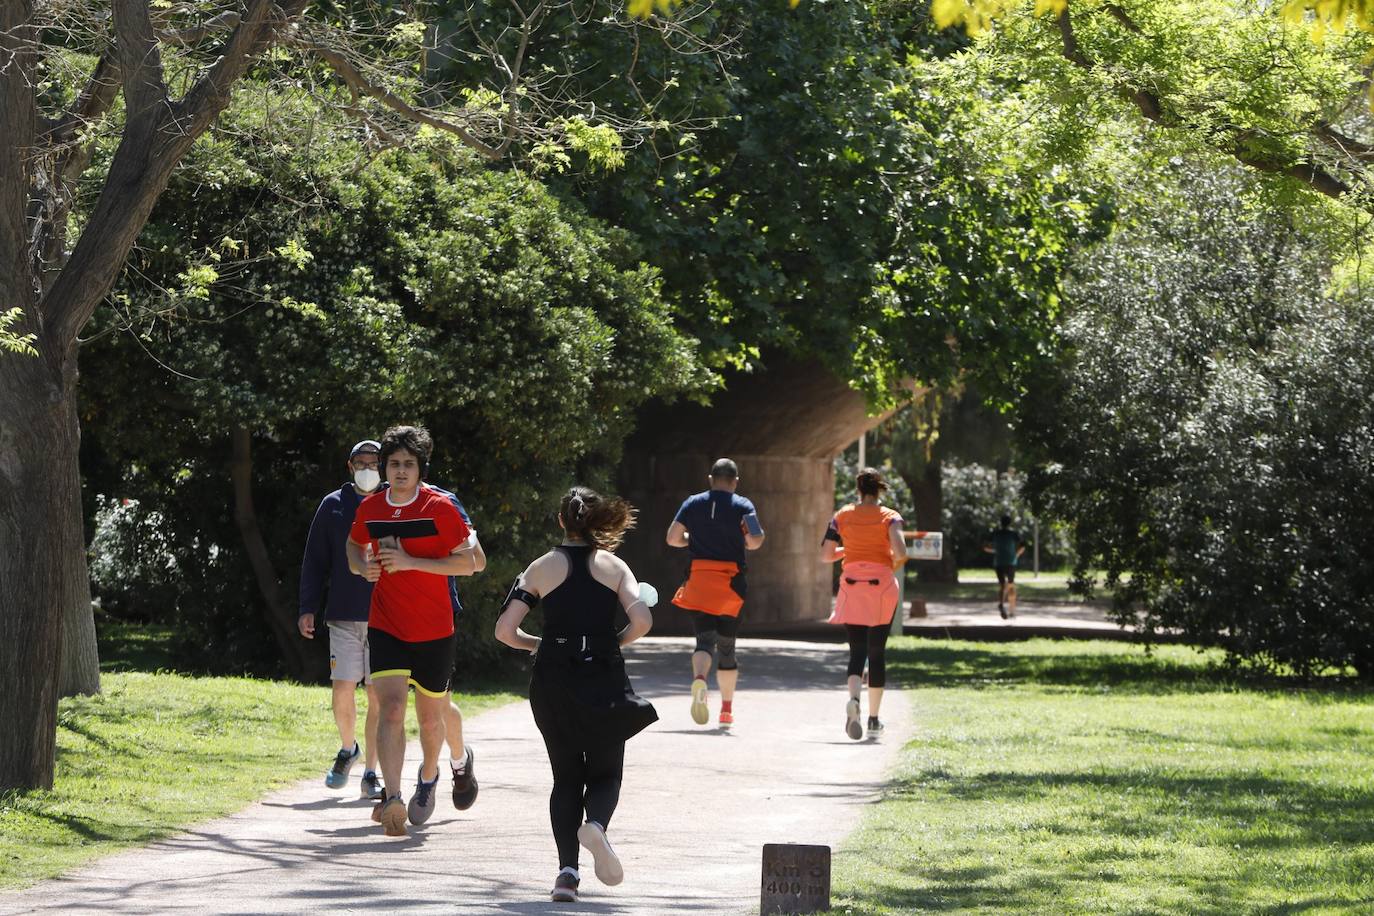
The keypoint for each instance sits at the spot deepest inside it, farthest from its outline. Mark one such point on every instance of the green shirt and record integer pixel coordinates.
(1004, 544)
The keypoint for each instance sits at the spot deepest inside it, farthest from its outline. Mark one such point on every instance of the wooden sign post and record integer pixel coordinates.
(796, 879)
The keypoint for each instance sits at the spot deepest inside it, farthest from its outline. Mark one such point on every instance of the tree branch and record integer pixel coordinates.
(1153, 109)
(258, 27)
(140, 60)
(360, 85)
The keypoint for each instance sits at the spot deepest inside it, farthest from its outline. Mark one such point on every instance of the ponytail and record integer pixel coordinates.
(599, 520)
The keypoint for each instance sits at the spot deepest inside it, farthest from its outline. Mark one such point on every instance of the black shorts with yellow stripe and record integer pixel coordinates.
(428, 665)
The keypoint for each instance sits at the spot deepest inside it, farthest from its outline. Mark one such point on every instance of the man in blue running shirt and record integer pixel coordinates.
(717, 526)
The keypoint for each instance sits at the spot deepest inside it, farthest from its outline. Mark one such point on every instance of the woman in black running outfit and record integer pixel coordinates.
(579, 692)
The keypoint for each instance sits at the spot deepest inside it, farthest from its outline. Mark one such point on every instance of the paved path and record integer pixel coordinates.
(696, 809)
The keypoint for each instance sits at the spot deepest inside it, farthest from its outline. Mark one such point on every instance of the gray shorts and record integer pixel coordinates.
(348, 659)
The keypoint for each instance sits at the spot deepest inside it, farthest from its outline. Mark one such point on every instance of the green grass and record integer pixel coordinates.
(980, 584)
(155, 753)
(1077, 777)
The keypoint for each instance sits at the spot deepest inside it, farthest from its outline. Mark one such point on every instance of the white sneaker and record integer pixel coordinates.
(701, 713)
(593, 839)
(852, 726)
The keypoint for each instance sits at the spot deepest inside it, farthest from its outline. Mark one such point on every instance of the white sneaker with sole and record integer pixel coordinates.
(701, 713)
(593, 839)
(852, 726)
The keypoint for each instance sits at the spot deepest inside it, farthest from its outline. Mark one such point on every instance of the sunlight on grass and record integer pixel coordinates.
(155, 753)
(1073, 777)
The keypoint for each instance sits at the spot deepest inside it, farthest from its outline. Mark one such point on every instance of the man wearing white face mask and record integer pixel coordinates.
(349, 599)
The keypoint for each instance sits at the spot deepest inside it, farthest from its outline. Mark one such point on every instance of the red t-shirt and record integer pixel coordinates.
(413, 605)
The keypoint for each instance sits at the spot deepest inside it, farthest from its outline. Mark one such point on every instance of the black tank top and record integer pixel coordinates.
(580, 605)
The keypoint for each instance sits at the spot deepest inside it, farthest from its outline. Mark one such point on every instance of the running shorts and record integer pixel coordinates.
(348, 651)
(427, 665)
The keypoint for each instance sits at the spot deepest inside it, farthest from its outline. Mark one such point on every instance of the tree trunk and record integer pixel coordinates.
(281, 620)
(928, 496)
(80, 652)
(42, 547)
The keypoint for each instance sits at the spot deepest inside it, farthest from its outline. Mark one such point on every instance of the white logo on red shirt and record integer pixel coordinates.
(396, 514)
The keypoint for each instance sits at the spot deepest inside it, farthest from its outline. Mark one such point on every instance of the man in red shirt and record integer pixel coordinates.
(408, 540)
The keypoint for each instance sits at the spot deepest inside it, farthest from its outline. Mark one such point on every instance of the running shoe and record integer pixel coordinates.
(875, 728)
(852, 728)
(564, 888)
(422, 802)
(465, 783)
(1002, 609)
(593, 839)
(701, 713)
(392, 816)
(727, 718)
(371, 786)
(337, 776)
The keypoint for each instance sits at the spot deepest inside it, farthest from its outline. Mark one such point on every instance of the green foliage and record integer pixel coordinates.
(421, 287)
(1241, 80)
(834, 208)
(21, 344)
(1211, 432)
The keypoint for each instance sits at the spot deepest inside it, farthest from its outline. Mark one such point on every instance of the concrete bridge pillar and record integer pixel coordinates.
(784, 428)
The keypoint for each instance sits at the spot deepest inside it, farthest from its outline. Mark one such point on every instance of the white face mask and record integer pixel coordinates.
(366, 479)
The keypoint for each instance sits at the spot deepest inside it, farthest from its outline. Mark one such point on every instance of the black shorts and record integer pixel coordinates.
(703, 622)
(1006, 574)
(427, 665)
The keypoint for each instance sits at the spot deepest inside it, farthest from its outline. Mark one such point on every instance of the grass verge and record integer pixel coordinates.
(155, 753)
(1076, 777)
(980, 584)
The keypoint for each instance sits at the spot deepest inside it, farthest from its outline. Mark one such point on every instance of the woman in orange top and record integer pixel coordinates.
(867, 537)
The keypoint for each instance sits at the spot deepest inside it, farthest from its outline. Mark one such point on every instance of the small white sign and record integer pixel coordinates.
(925, 545)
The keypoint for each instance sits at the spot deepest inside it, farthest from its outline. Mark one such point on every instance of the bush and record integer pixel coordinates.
(1212, 433)
(423, 288)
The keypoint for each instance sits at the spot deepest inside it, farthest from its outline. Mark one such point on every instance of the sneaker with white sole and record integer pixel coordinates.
(852, 727)
(370, 786)
(391, 814)
(564, 888)
(593, 839)
(701, 713)
(422, 802)
(337, 777)
(875, 728)
(465, 783)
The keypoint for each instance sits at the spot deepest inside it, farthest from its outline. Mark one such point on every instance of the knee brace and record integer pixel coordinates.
(706, 642)
(725, 658)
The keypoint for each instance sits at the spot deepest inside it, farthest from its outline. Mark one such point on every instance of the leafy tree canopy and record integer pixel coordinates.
(313, 300)
(1243, 79)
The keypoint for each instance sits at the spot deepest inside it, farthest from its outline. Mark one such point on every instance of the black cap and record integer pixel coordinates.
(724, 468)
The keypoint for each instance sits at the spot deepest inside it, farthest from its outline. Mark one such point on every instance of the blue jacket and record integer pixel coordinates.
(326, 563)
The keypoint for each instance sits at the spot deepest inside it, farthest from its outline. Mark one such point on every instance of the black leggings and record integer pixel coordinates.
(583, 780)
(868, 643)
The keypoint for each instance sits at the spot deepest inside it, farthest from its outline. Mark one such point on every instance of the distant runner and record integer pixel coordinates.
(717, 526)
(1006, 548)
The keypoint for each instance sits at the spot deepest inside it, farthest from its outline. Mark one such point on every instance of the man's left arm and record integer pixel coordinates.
(752, 541)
